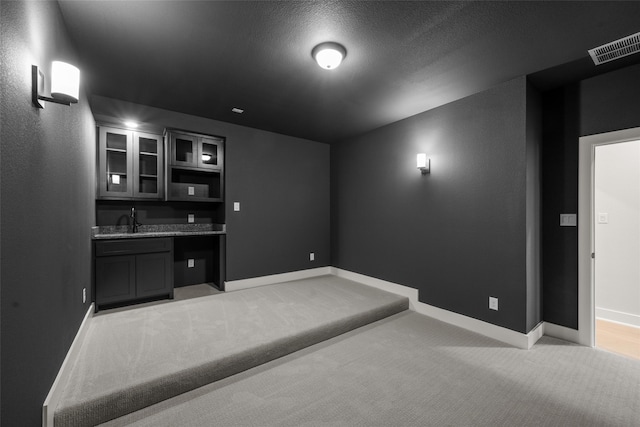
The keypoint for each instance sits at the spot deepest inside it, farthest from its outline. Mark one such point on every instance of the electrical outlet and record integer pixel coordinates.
(312, 256)
(236, 206)
(191, 218)
(84, 295)
(493, 303)
(191, 263)
(191, 191)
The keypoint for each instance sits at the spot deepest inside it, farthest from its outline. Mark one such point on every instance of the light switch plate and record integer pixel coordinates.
(191, 191)
(236, 206)
(568, 220)
(191, 218)
(493, 303)
(312, 256)
(191, 263)
(603, 218)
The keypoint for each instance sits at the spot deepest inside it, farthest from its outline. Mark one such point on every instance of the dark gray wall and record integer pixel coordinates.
(459, 234)
(599, 104)
(117, 212)
(560, 195)
(610, 102)
(281, 182)
(47, 180)
(534, 207)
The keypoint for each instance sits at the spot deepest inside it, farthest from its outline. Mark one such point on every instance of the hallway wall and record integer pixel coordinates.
(617, 240)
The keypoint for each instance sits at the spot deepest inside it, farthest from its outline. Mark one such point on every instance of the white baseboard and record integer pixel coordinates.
(236, 285)
(516, 339)
(561, 332)
(394, 288)
(53, 398)
(628, 319)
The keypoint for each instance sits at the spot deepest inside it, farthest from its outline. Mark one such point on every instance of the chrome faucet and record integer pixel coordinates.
(134, 221)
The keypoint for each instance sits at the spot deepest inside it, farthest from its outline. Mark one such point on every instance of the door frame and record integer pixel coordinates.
(586, 226)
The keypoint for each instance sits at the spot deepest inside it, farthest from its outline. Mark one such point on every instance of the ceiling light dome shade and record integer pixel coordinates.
(329, 55)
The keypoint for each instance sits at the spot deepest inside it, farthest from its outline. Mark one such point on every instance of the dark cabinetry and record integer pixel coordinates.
(195, 170)
(195, 151)
(133, 269)
(130, 165)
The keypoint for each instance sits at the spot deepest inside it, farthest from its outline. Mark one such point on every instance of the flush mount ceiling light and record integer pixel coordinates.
(329, 55)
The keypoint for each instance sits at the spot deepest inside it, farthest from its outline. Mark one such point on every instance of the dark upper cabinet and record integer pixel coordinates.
(195, 170)
(148, 166)
(195, 151)
(211, 154)
(130, 165)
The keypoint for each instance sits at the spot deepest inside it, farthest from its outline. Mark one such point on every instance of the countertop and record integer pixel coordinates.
(158, 230)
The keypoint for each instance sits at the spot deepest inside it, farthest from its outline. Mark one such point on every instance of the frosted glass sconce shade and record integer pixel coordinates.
(65, 81)
(423, 163)
(65, 84)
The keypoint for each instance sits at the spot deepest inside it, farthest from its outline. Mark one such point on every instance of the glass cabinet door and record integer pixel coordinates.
(210, 153)
(148, 166)
(184, 150)
(115, 163)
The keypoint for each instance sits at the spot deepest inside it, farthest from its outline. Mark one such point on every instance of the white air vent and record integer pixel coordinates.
(617, 49)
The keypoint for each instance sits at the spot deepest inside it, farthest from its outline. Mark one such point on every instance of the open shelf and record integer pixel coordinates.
(194, 185)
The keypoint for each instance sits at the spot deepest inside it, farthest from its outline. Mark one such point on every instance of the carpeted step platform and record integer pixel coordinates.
(134, 359)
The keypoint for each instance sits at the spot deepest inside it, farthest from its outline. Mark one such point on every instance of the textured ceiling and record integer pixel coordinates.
(204, 58)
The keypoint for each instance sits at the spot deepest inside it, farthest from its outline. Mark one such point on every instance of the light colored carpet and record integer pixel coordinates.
(411, 370)
(135, 358)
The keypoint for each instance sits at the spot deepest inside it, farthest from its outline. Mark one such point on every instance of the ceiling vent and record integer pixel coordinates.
(617, 49)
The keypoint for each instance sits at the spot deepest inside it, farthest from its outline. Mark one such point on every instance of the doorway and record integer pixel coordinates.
(616, 199)
(609, 241)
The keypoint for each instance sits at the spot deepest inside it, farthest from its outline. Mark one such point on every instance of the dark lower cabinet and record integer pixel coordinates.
(115, 279)
(154, 274)
(129, 270)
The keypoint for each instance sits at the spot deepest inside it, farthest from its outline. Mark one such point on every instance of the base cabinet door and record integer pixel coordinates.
(132, 270)
(153, 274)
(115, 279)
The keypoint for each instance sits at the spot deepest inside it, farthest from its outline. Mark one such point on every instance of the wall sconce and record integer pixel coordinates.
(65, 84)
(423, 163)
